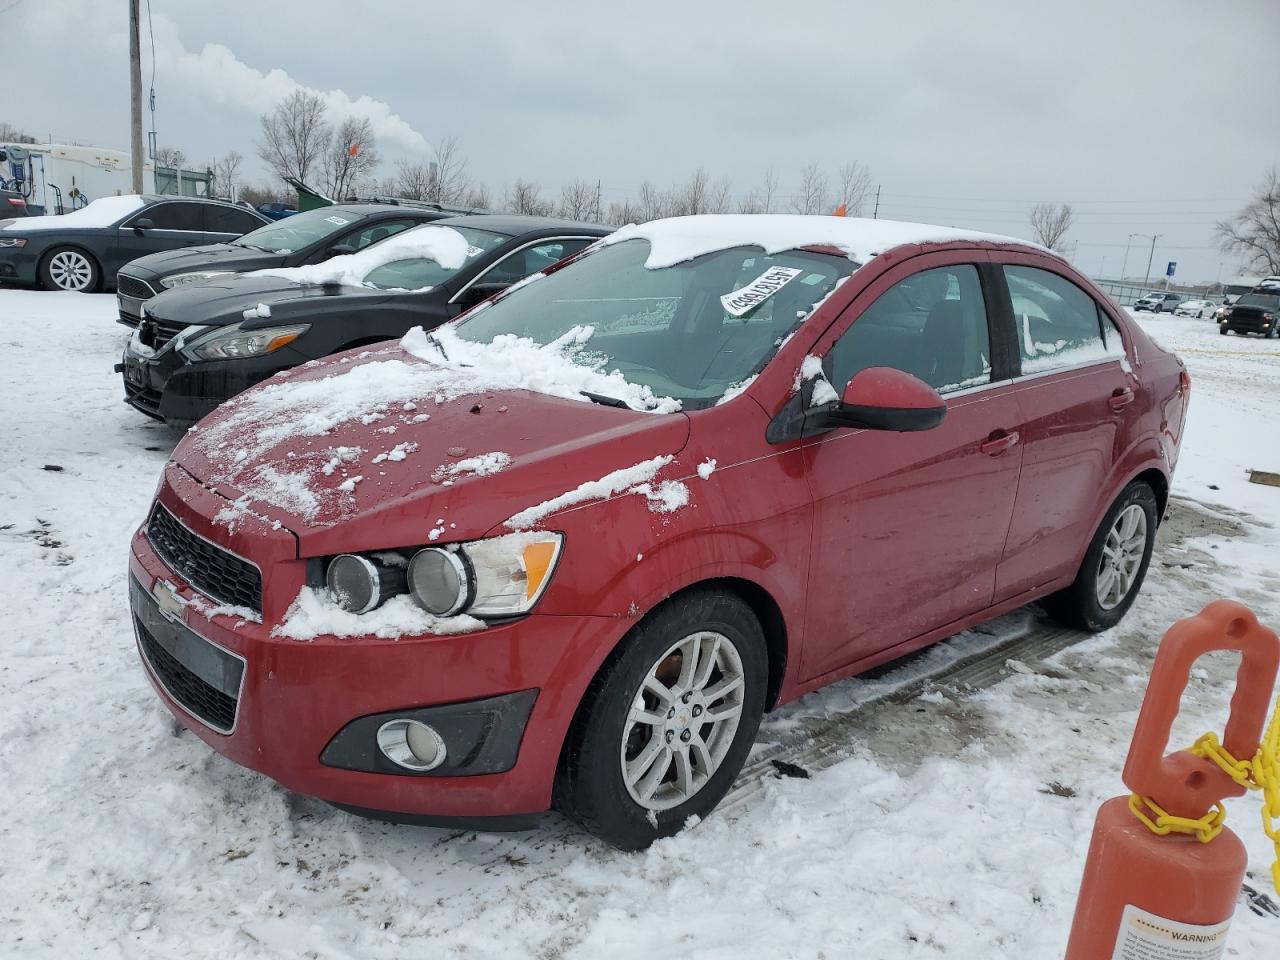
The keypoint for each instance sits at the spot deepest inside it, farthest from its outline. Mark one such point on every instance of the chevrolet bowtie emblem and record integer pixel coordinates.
(167, 600)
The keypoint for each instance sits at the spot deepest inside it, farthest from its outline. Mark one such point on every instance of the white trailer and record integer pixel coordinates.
(59, 177)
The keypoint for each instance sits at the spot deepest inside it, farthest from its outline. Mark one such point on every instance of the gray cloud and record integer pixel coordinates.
(1140, 113)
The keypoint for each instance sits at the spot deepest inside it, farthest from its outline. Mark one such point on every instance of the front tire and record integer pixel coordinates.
(667, 723)
(67, 268)
(1114, 566)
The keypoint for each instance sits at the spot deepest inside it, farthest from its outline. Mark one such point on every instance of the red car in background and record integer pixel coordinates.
(567, 550)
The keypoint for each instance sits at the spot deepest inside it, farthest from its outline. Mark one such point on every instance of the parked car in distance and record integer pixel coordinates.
(84, 249)
(1254, 312)
(304, 238)
(614, 514)
(13, 204)
(1195, 308)
(1158, 302)
(276, 211)
(200, 344)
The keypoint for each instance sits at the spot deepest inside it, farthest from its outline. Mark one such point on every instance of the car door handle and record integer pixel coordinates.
(1121, 398)
(999, 442)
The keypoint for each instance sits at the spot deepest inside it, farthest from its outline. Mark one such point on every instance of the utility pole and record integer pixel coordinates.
(597, 220)
(876, 213)
(135, 96)
(1154, 238)
(1125, 265)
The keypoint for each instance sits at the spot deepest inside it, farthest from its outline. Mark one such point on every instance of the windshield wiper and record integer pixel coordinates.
(604, 400)
(435, 342)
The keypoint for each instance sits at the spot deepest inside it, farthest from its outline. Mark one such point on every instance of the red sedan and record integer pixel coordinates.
(567, 549)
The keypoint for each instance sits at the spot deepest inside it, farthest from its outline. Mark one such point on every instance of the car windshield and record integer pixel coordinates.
(690, 331)
(298, 231)
(417, 273)
(1267, 301)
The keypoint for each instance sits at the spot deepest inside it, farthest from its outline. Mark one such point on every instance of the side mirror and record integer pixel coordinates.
(143, 223)
(482, 291)
(884, 398)
(341, 249)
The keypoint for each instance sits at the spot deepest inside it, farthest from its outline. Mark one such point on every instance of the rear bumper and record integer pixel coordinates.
(294, 698)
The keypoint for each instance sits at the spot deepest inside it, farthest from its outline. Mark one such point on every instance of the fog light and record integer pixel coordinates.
(359, 584)
(411, 744)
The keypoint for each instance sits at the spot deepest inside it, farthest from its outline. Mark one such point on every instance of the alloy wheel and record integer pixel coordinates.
(70, 270)
(683, 720)
(1122, 555)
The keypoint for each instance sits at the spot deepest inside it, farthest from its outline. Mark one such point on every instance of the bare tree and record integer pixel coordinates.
(1254, 232)
(413, 181)
(295, 136)
(351, 156)
(525, 198)
(11, 134)
(769, 191)
(813, 196)
(624, 212)
(477, 197)
(450, 180)
(577, 200)
(1050, 224)
(654, 204)
(751, 202)
(170, 157)
(854, 188)
(226, 175)
(257, 194)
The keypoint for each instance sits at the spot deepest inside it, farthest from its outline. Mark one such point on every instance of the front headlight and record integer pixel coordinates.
(13, 241)
(498, 577)
(234, 343)
(195, 276)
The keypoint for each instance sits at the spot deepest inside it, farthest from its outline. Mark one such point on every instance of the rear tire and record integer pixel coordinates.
(69, 268)
(1114, 566)
(686, 687)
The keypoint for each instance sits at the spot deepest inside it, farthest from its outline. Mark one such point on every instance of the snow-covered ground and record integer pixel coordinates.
(955, 824)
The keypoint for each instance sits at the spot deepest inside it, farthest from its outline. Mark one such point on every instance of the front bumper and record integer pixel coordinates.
(1247, 324)
(167, 387)
(294, 698)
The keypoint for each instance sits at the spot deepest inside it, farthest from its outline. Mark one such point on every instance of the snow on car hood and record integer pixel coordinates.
(102, 212)
(401, 430)
(677, 239)
(444, 245)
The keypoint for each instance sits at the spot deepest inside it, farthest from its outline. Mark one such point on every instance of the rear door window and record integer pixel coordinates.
(220, 219)
(1057, 324)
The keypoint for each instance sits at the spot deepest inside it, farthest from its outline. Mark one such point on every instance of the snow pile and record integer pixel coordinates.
(634, 479)
(102, 212)
(444, 245)
(736, 389)
(315, 614)
(261, 311)
(678, 239)
(485, 465)
(561, 368)
(397, 453)
(256, 421)
(706, 468)
(811, 369)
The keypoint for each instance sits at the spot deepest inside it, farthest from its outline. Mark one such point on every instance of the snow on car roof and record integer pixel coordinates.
(677, 239)
(102, 212)
(444, 245)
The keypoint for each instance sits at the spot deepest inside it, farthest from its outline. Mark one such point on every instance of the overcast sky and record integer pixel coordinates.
(1151, 116)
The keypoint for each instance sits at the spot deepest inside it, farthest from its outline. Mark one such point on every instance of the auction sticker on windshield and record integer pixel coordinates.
(758, 290)
(338, 221)
(1145, 936)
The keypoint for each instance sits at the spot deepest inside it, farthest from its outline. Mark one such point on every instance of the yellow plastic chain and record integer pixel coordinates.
(1260, 773)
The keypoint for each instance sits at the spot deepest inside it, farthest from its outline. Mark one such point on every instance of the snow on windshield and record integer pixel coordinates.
(100, 213)
(444, 245)
(436, 368)
(678, 239)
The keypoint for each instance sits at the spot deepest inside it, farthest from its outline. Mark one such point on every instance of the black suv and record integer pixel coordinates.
(1258, 311)
(292, 242)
